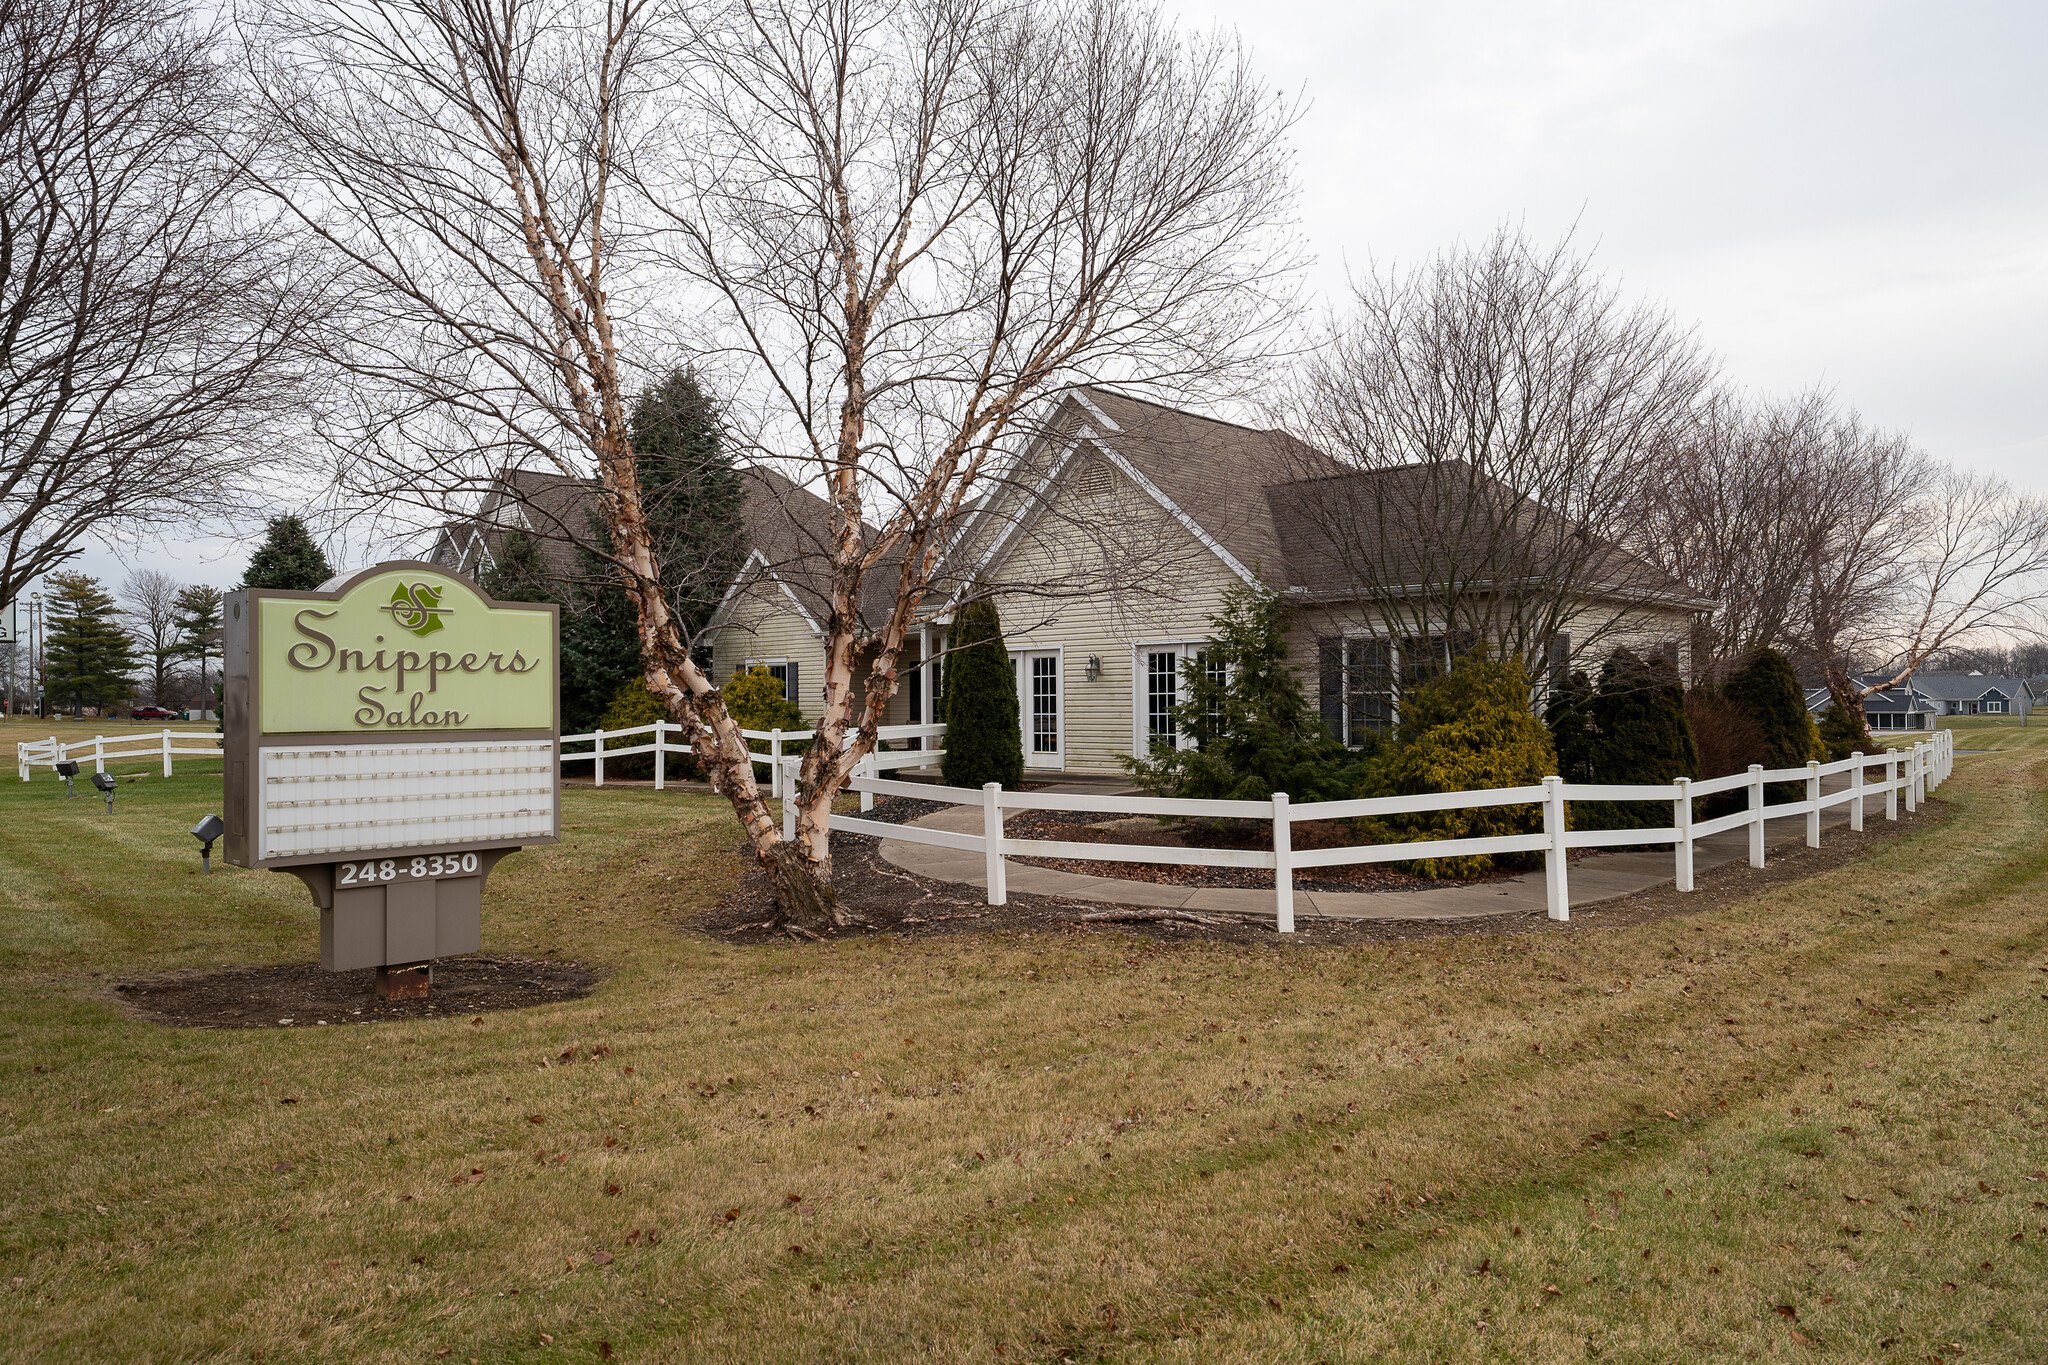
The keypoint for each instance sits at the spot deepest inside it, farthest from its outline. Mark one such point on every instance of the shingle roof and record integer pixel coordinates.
(1275, 503)
(1958, 687)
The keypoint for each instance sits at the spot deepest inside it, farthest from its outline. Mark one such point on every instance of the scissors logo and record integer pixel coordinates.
(417, 608)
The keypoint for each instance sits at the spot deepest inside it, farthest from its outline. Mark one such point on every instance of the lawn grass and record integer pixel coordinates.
(1633, 1144)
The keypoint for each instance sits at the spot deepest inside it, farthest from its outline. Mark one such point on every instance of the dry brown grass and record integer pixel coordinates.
(1076, 1145)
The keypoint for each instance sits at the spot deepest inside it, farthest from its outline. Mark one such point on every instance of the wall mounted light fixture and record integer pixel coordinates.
(1094, 667)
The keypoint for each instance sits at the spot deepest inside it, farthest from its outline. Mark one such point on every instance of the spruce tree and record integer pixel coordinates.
(1255, 730)
(600, 642)
(1636, 734)
(87, 657)
(984, 732)
(287, 559)
(1569, 714)
(1843, 736)
(692, 493)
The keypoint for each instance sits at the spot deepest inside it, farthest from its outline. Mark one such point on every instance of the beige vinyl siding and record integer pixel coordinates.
(762, 623)
(1182, 588)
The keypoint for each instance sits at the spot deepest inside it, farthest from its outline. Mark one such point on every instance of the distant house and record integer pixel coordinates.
(1917, 703)
(1973, 694)
(1892, 710)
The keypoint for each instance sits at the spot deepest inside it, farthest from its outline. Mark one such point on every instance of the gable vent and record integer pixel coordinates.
(1093, 480)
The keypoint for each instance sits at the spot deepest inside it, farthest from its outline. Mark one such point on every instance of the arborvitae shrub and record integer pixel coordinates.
(1468, 730)
(1635, 733)
(1769, 691)
(984, 735)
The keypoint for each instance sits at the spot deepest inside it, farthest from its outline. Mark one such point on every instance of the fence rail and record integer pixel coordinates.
(1908, 774)
(667, 739)
(143, 747)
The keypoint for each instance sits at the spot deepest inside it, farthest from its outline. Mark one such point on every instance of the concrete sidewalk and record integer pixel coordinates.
(1593, 878)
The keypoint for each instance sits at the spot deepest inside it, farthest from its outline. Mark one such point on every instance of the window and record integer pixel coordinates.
(1996, 708)
(1368, 688)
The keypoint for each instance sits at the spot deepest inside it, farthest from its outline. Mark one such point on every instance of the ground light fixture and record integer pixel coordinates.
(105, 783)
(206, 831)
(67, 770)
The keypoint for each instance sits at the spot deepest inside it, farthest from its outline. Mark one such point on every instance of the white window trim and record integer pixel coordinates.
(1024, 652)
(1140, 737)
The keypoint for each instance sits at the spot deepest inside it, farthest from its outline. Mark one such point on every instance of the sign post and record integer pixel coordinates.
(387, 740)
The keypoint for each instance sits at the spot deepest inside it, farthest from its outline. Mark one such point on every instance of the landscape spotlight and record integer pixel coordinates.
(206, 831)
(106, 783)
(67, 770)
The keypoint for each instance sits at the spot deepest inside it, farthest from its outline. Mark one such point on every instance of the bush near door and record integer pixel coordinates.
(984, 732)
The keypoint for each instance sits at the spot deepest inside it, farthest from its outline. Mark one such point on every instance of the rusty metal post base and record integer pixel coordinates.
(408, 982)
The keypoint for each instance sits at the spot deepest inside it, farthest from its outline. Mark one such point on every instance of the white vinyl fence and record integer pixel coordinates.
(1913, 772)
(666, 739)
(143, 747)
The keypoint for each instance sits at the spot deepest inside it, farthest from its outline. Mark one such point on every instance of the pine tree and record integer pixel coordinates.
(693, 494)
(198, 624)
(288, 559)
(984, 732)
(86, 655)
(1254, 728)
(1635, 733)
(600, 641)
(1569, 714)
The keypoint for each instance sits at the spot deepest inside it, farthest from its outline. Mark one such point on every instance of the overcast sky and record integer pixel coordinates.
(1837, 192)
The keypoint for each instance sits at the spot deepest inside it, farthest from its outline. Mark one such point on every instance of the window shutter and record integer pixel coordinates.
(1330, 688)
(1560, 660)
(790, 691)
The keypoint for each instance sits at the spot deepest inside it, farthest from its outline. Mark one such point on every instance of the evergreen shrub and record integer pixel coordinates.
(1256, 732)
(1471, 729)
(1768, 690)
(984, 732)
(755, 702)
(1842, 736)
(1630, 730)
(633, 705)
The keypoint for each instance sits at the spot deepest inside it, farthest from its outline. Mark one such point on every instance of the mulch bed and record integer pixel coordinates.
(908, 906)
(301, 995)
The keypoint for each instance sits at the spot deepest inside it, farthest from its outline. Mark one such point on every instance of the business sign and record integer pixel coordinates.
(386, 741)
(6, 623)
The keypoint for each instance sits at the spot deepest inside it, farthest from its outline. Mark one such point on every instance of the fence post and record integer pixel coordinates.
(167, 752)
(1912, 779)
(1283, 864)
(1891, 784)
(1555, 892)
(1813, 803)
(1856, 791)
(775, 763)
(867, 769)
(1756, 815)
(99, 753)
(597, 764)
(1681, 820)
(660, 755)
(992, 842)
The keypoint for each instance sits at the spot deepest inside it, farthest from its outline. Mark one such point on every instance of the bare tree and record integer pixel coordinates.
(896, 223)
(144, 309)
(151, 601)
(1963, 560)
(1738, 507)
(1499, 412)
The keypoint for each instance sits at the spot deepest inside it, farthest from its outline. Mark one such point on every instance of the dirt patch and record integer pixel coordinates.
(301, 995)
(897, 902)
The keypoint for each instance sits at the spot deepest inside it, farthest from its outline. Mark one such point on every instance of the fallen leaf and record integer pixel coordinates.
(604, 1350)
(478, 1020)
(1552, 1289)
(536, 1118)
(281, 1166)
(610, 1188)
(546, 1340)
(1788, 1312)
(731, 1214)
(602, 1258)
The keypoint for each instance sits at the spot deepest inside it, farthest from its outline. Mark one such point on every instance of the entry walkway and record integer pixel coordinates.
(1594, 877)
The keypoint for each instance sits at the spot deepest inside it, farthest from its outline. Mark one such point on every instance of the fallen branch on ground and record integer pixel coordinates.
(1153, 916)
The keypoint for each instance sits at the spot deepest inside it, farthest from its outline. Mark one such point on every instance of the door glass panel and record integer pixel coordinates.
(1045, 704)
(1162, 674)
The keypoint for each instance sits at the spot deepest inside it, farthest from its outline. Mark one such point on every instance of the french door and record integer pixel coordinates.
(1039, 700)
